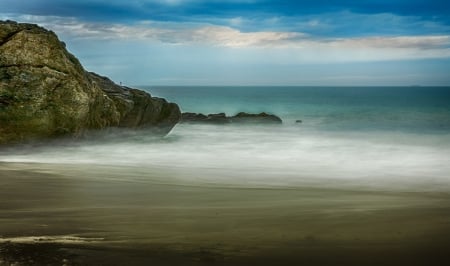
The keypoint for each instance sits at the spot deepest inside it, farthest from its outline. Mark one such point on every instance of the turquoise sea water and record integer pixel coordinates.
(407, 109)
(370, 137)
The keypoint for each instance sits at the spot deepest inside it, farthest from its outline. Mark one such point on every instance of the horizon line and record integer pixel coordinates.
(256, 85)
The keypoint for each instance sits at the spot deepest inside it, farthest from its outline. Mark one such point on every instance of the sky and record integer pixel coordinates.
(251, 42)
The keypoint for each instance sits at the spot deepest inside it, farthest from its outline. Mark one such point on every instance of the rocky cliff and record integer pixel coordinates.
(45, 92)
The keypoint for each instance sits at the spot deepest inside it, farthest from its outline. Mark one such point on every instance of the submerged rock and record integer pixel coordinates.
(221, 118)
(45, 92)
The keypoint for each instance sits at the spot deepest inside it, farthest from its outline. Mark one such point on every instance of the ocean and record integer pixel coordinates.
(390, 137)
(406, 109)
(373, 137)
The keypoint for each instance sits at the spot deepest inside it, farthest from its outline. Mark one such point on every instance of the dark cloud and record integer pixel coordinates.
(321, 18)
(181, 9)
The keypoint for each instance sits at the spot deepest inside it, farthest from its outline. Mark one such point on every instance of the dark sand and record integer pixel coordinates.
(126, 216)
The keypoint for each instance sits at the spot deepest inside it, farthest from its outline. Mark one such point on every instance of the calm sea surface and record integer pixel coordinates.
(406, 109)
(389, 137)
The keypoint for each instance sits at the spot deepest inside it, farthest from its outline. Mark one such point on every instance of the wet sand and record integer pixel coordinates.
(150, 216)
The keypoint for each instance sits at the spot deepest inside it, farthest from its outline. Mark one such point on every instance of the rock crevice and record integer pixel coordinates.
(9, 37)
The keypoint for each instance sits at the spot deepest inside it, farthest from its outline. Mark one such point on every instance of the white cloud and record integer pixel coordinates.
(419, 42)
(291, 46)
(175, 33)
(226, 36)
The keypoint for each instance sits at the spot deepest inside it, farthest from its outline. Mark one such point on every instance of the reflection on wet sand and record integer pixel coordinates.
(120, 215)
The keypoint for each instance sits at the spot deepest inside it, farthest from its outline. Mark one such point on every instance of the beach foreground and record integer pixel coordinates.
(72, 214)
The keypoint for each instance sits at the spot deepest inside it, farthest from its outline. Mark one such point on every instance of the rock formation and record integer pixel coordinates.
(45, 92)
(256, 118)
(221, 118)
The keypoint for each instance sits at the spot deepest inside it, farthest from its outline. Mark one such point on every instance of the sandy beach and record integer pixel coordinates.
(76, 214)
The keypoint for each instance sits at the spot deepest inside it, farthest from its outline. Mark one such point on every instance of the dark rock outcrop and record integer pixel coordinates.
(221, 118)
(193, 117)
(45, 92)
(137, 108)
(256, 118)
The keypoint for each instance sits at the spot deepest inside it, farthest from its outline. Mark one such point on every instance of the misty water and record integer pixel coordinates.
(382, 137)
(285, 155)
(365, 166)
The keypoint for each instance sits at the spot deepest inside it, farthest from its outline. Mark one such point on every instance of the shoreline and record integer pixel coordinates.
(149, 217)
(430, 253)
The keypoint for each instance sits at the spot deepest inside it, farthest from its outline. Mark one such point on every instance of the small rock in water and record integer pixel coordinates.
(298, 121)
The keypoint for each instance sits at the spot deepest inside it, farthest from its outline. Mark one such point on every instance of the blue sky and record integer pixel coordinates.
(251, 42)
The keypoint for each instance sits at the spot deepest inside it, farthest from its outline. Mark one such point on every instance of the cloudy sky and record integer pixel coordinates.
(251, 42)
